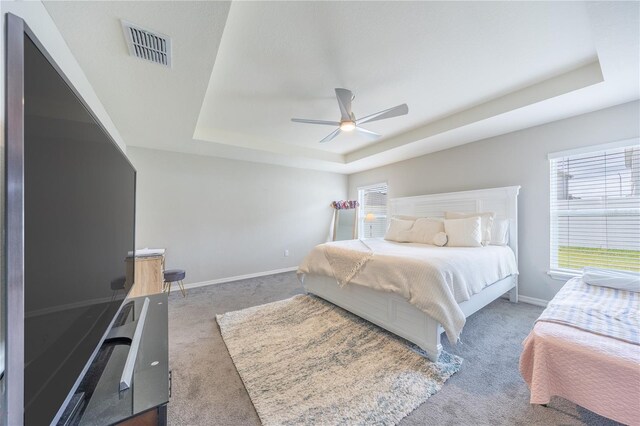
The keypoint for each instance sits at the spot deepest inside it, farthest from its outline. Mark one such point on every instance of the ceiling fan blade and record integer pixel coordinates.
(344, 101)
(368, 133)
(332, 135)
(387, 113)
(309, 121)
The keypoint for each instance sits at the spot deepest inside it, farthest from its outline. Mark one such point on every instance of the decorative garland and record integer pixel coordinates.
(345, 204)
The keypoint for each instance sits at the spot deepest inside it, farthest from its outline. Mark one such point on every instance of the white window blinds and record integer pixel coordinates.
(373, 211)
(595, 208)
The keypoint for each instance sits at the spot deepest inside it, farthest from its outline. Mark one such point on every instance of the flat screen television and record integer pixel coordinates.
(78, 197)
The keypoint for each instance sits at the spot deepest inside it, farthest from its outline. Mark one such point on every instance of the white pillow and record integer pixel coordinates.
(486, 222)
(621, 280)
(500, 232)
(440, 239)
(405, 217)
(399, 230)
(464, 232)
(425, 229)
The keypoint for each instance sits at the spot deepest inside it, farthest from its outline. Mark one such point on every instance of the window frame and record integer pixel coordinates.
(361, 207)
(555, 271)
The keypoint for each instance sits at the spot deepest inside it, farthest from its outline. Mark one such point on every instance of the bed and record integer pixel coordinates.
(595, 371)
(392, 310)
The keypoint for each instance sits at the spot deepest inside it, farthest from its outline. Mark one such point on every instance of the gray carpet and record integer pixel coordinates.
(488, 389)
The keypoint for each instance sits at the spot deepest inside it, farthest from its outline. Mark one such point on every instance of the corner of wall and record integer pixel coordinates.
(38, 19)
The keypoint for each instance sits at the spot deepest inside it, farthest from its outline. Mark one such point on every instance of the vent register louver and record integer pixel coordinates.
(147, 45)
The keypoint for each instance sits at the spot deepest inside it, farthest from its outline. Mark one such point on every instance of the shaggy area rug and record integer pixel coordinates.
(306, 361)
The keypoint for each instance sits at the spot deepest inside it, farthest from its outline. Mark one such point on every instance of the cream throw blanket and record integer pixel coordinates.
(347, 259)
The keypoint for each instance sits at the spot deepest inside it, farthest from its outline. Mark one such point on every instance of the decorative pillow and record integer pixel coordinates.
(425, 229)
(399, 230)
(486, 222)
(405, 217)
(464, 232)
(440, 239)
(500, 232)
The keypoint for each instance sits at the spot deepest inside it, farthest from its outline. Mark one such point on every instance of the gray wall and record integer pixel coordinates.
(518, 158)
(221, 218)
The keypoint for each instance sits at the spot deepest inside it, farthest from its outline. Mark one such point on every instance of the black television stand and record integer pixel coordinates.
(101, 397)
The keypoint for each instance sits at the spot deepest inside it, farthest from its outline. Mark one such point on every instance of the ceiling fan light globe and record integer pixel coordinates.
(347, 126)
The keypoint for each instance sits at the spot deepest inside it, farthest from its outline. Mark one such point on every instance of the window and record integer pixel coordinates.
(373, 211)
(595, 208)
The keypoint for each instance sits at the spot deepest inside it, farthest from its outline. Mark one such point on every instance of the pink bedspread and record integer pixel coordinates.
(596, 372)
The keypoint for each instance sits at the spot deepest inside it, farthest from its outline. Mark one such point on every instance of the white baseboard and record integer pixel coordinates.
(174, 286)
(533, 301)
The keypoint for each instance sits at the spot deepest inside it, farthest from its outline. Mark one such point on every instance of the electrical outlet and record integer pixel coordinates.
(286, 253)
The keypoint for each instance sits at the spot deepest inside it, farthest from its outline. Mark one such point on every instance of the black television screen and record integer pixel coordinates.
(79, 209)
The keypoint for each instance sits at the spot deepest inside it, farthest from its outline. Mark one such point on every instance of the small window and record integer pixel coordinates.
(595, 208)
(373, 211)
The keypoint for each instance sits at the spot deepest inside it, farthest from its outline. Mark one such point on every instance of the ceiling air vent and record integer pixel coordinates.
(148, 45)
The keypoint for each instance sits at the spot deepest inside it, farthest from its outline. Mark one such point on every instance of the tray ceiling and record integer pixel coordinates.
(241, 70)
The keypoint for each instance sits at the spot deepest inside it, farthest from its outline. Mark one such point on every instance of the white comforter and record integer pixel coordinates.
(434, 279)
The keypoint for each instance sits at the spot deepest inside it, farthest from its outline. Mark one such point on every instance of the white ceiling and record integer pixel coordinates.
(467, 70)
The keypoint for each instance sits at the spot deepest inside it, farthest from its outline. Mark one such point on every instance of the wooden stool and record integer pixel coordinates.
(173, 276)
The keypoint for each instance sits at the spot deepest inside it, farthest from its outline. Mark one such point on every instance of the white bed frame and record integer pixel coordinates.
(394, 313)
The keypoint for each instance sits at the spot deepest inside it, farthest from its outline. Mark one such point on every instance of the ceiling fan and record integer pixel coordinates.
(348, 121)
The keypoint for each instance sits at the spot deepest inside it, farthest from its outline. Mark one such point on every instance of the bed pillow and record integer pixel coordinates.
(440, 239)
(486, 221)
(405, 217)
(425, 229)
(500, 232)
(399, 230)
(464, 232)
(620, 280)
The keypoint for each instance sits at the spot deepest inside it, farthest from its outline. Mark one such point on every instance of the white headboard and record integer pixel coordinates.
(503, 201)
